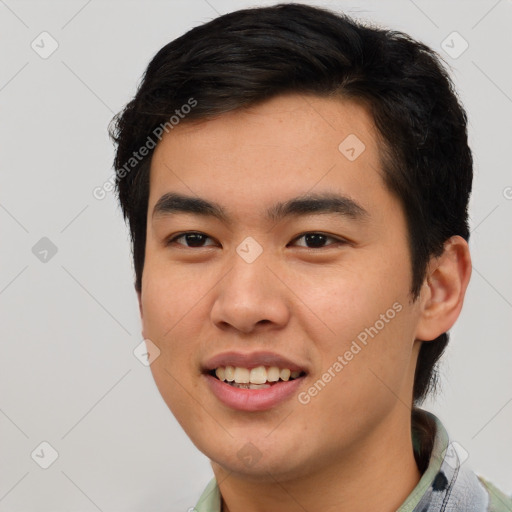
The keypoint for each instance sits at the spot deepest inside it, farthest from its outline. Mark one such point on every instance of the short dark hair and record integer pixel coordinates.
(251, 55)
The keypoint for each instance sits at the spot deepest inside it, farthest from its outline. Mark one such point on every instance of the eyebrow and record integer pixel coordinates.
(309, 204)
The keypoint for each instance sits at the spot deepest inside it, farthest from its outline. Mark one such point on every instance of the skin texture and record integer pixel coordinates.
(308, 304)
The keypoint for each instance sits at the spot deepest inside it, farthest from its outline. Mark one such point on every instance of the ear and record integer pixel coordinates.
(443, 290)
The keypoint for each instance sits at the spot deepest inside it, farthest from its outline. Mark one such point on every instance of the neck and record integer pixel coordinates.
(377, 474)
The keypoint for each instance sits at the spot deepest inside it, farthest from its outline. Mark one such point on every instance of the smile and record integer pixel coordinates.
(253, 381)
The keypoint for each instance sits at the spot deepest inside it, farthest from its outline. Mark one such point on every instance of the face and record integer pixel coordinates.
(277, 257)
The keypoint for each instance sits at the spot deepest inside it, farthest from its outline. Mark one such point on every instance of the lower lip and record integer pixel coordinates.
(253, 399)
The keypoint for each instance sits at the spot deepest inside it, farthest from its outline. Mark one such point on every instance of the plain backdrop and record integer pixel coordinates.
(70, 324)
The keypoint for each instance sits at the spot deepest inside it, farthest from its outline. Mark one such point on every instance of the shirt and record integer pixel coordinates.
(447, 485)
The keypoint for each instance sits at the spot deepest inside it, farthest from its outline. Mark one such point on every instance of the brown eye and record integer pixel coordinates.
(191, 239)
(316, 240)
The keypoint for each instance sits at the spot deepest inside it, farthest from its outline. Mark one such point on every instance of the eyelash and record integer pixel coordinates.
(336, 239)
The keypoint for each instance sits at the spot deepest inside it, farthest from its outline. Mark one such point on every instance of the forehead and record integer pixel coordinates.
(288, 146)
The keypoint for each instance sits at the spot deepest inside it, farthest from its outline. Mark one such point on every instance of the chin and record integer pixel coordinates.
(276, 469)
(252, 461)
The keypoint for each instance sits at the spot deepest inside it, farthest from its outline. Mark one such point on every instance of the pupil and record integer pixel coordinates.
(195, 239)
(316, 239)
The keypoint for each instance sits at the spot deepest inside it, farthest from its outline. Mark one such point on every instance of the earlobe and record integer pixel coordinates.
(444, 289)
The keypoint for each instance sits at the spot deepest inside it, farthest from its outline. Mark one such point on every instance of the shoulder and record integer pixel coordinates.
(498, 501)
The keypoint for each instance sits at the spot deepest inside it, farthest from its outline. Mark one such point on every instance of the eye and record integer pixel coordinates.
(312, 240)
(315, 240)
(191, 238)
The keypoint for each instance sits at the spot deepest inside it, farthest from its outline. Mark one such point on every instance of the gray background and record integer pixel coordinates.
(70, 323)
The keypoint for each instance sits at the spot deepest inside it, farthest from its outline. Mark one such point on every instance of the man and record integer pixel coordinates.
(296, 186)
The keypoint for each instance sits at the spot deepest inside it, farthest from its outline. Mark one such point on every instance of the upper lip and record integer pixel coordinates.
(251, 360)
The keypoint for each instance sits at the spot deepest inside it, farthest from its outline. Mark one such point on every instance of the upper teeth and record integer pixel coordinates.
(258, 375)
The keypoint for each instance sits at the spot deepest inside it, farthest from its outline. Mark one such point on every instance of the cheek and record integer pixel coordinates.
(370, 321)
(360, 382)
(350, 298)
(168, 302)
(169, 292)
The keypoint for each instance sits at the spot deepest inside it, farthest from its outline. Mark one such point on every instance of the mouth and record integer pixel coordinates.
(260, 377)
(255, 381)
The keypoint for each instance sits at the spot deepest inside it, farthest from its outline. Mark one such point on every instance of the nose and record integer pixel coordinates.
(250, 298)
